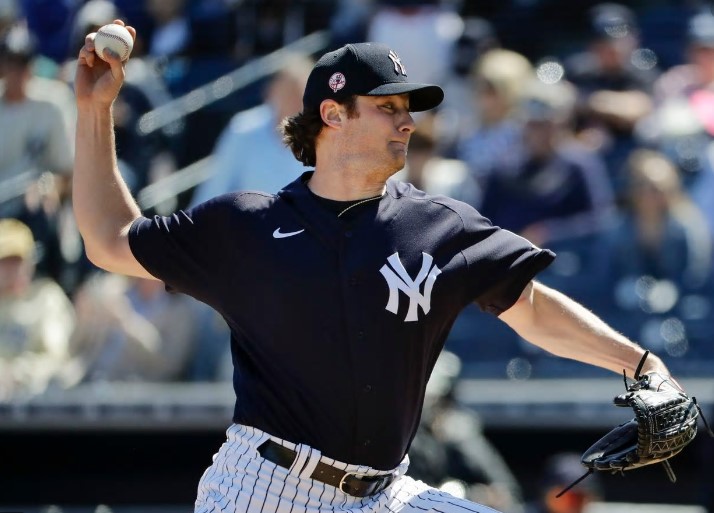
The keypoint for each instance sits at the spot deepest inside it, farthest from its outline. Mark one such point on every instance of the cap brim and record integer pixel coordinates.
(421, 96)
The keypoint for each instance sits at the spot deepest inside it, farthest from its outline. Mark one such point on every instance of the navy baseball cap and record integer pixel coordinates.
(366, 69)
(612, 21)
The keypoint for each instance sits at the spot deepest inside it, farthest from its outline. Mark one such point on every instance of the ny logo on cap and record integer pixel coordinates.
(398, 66)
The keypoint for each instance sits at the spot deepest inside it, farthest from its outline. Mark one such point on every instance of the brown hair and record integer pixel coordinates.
(301, 130)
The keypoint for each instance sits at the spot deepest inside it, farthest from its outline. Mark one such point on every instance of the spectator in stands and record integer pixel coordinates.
(36, 317)
(427, 170)
(557, 189)
(48, 21)
(349, 21)
(172, 30)
(436, 27)
(35, 150)
(34, 135)
(683, 123)
(250, 154)
(702, 190)
(9, 13)
(451, 450)
(459, 112)
(499, 77)
(560, 471)
(697, 73)
(130, 329)
(660, 233)
(42, 84)
(614, 85)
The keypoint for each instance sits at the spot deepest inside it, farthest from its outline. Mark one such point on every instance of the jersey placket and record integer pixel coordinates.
(357, 330)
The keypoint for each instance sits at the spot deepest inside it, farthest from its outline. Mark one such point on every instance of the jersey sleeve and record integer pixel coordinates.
(499, 263)
(191, 251)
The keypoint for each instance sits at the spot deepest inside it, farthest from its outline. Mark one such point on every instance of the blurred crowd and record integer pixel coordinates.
(585, 127)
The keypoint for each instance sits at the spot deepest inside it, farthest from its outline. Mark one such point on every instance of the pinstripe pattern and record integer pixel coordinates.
(241, 481)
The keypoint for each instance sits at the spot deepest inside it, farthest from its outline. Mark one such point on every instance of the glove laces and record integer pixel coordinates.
(640, 383)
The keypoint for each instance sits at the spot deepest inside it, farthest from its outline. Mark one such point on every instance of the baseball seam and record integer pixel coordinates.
(114, 36)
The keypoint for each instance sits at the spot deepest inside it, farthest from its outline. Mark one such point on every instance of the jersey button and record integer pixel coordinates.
(367, 442)
(360, 335)
(367, 388)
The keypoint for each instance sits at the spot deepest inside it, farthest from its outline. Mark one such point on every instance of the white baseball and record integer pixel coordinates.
(115, 38)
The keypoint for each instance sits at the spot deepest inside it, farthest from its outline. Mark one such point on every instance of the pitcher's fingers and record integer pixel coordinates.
(132, 31)
(115, 63)
(87, 55)
(89, 41)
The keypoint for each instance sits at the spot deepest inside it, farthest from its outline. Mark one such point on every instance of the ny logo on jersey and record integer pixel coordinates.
(398, 279)
(398, 66)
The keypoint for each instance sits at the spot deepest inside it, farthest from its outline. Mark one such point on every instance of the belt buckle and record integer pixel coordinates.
(344, 477)
(383, 481)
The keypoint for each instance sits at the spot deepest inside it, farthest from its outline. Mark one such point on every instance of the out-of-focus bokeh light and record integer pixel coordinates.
(550, 72)
(519, 369)
(644, 58)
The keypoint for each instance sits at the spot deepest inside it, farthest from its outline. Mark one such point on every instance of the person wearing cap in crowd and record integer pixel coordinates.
(687, 91)
(558, 188)
(340, 290)
(36, 317)
(427, 170)
(460, 111)
(693, 81)
(498, 79)
(560, 470)
(394, 23)
(34, 133)
(35, 149)
(698, 72)
(8, 15)
(250, 154)
(614, 84)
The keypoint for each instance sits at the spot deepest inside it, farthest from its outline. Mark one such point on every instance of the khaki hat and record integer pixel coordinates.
(16, 239)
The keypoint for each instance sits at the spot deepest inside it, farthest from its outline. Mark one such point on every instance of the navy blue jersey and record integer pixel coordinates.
(336, 325)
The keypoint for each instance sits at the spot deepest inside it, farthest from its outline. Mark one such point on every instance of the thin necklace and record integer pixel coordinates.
(359, 203)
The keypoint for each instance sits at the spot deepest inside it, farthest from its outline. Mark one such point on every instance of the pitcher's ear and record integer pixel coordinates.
(332, 113)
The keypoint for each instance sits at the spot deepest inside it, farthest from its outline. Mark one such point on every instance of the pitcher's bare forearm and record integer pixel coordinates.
(561, 326)
(103, 205)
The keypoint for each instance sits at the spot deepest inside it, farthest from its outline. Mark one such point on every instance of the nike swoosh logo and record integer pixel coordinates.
(277, 234)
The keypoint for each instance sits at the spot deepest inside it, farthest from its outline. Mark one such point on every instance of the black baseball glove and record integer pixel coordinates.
(665, 422)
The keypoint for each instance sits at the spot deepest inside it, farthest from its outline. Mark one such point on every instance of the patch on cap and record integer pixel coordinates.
(337, 81)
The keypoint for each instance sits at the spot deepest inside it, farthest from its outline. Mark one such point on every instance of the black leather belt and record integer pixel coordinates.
(351, 483)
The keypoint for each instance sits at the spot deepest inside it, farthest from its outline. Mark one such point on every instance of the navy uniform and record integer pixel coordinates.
(336, 323)
(338, 312)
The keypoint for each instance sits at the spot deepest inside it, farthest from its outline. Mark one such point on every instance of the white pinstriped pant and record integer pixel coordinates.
(241, 481)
